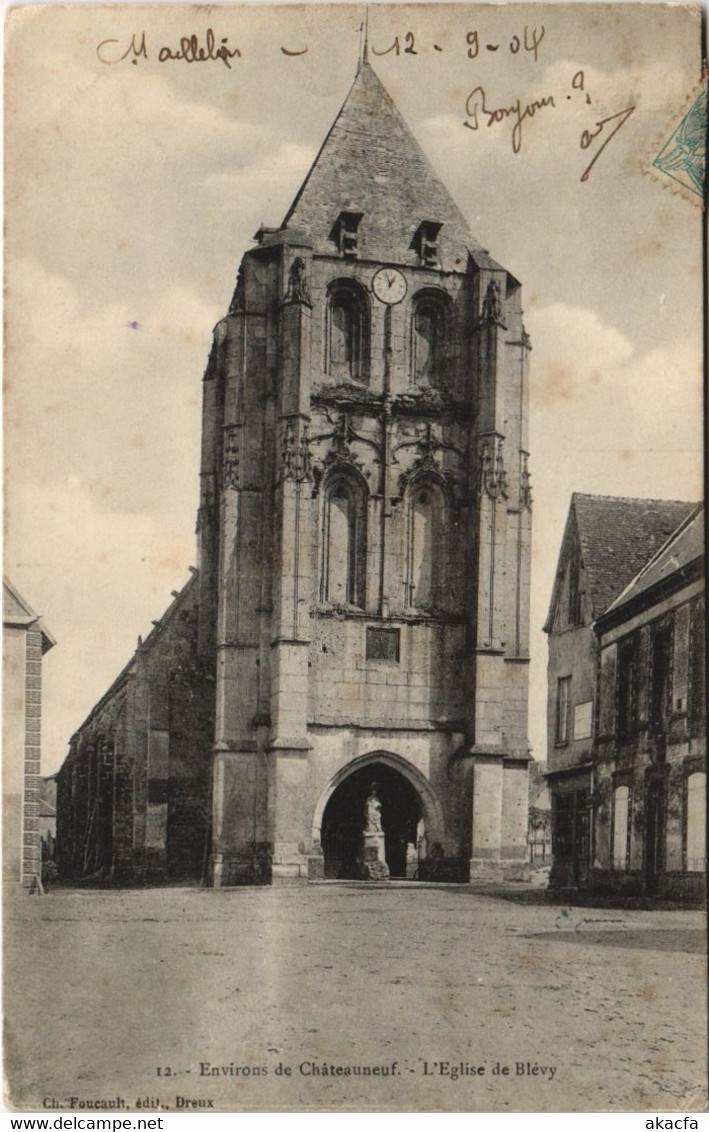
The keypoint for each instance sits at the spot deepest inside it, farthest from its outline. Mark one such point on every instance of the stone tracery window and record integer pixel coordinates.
(343, 549)
(428, 338)
(347, 332)
(425, 563)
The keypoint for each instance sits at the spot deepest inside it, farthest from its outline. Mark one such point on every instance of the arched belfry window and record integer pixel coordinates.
(429, 332)
(347, 332)
(343, 550)
(425, 559)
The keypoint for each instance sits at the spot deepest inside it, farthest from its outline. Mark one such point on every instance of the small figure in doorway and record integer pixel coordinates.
(373, 812)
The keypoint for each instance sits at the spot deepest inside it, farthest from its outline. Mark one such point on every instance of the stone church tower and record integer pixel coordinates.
(364, 528)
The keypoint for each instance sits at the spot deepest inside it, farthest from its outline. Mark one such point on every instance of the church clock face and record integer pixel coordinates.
(389, 285)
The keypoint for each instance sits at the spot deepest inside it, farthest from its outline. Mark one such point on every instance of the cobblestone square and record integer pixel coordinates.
(400, 997)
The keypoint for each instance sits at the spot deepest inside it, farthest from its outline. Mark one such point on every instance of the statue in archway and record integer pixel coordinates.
(373, 812)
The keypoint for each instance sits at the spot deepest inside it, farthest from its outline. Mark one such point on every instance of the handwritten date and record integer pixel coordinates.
(529, 41)
(192, 50)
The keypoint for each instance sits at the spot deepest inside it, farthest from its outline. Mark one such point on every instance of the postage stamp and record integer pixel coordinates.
(682, 158)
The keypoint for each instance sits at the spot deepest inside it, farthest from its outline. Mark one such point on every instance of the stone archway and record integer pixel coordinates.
(411, 816)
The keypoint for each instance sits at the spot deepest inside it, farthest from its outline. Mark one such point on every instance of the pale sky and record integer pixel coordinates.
(134, 189)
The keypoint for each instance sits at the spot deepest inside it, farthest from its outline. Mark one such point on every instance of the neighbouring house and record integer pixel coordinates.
(650, 757)
(26, 639)
(626, 702)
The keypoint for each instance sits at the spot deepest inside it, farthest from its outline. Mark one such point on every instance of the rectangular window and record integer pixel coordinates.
(383, 644)
(574, 595)
(661, 677)
(563, 689)
(627, 687)
(582, 720)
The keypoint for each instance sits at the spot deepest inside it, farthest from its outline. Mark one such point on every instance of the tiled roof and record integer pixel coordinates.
(619, 536)
(370, 163)
(685, 545)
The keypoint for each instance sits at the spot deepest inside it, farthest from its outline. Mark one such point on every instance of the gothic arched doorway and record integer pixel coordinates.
(343, 822)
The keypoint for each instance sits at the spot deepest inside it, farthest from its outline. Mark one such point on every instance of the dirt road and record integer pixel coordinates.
(353, 997)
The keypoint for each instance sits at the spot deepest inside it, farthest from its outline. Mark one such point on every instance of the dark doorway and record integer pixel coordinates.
(343, 821)
(571, 838)
(654, 834)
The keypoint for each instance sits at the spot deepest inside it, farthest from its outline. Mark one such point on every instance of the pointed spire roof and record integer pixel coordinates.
(365, 45)
(370, 163)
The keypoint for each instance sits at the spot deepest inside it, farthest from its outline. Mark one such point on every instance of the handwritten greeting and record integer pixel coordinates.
(481, 112)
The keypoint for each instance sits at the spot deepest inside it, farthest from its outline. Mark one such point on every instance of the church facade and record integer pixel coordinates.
(362, 593)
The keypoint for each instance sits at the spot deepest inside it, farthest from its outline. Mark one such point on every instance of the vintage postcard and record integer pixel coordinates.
(354, 711)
